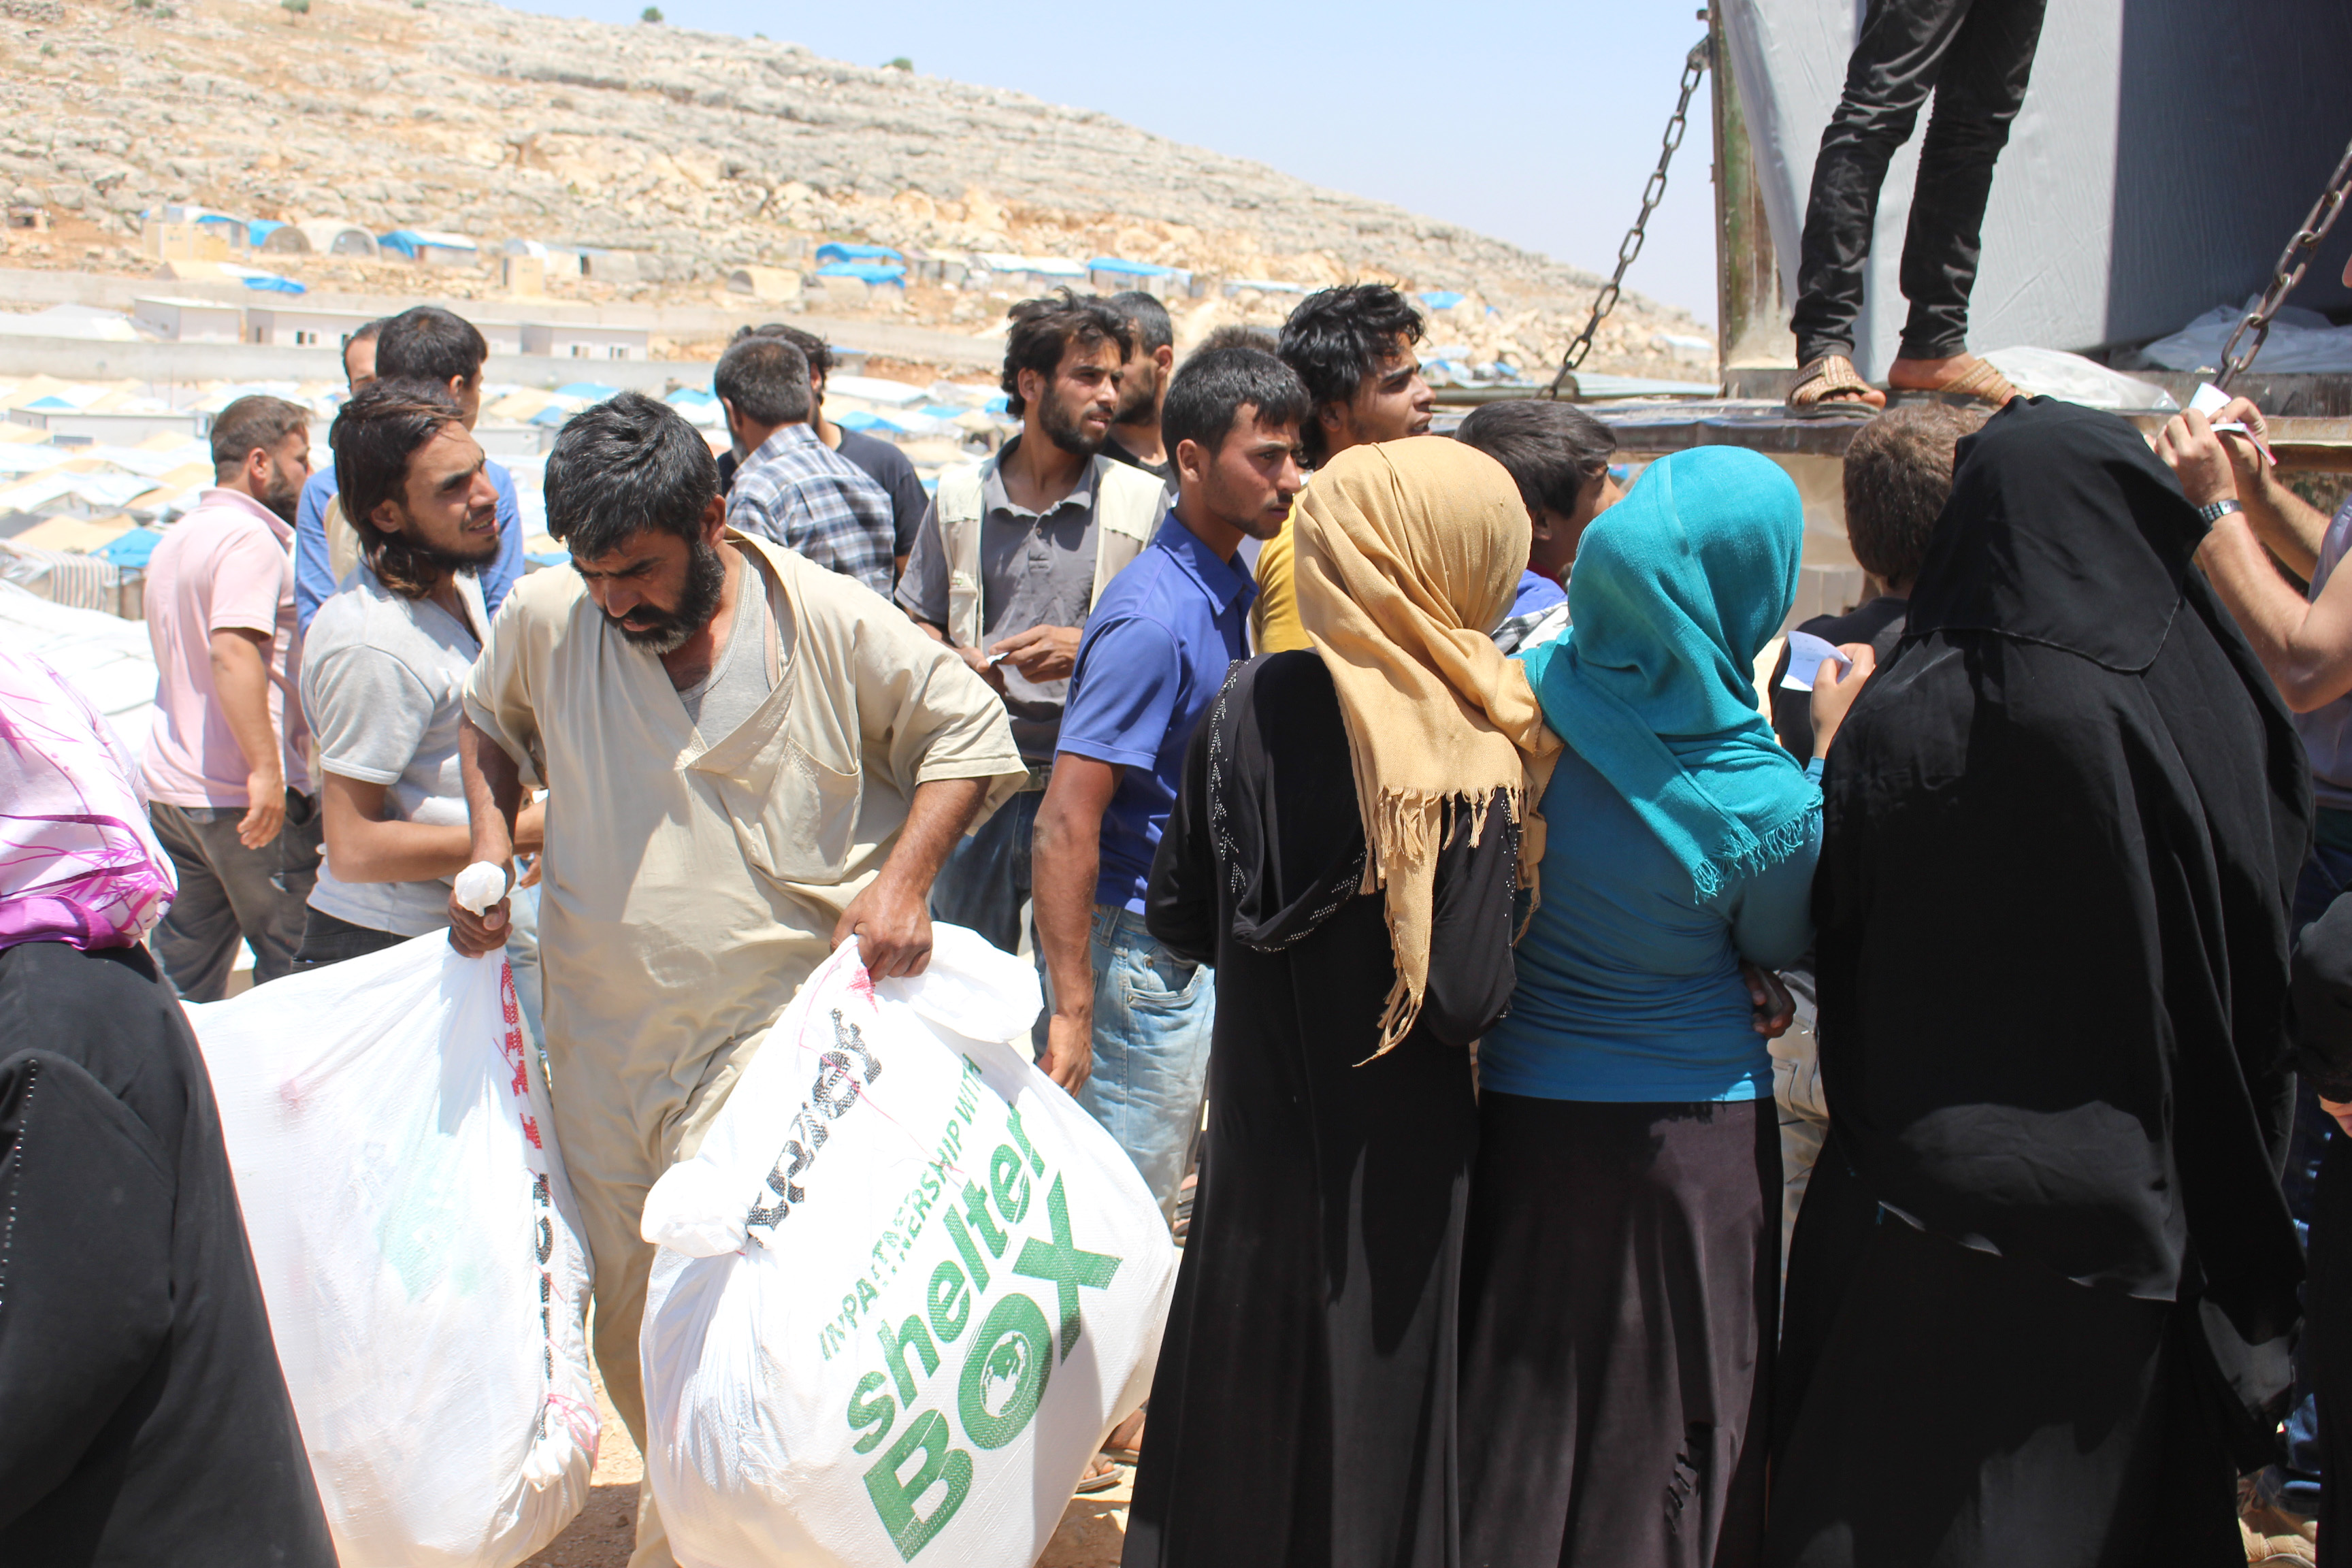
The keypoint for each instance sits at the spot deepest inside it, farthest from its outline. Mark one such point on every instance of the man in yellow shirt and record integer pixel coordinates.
(1353, 348)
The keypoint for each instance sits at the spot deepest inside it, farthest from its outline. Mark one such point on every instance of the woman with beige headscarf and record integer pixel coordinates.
(1346, 850)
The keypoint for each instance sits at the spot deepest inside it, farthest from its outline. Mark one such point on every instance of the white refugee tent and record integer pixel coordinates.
(105, 657)
(2164, 156)
(325, 236)
(765, 283)
(875, 390)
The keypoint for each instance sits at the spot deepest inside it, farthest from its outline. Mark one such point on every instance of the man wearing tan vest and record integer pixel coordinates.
(1011, 558)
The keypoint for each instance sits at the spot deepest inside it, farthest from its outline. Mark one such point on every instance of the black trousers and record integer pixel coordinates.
(1975, 56)
(327, 939)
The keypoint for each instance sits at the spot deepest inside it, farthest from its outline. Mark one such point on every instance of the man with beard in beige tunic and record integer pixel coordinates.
(748, 761)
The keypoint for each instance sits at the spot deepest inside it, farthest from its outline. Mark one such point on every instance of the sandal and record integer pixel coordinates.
(1830, 385)
(1102, 1483)
(1980, 382)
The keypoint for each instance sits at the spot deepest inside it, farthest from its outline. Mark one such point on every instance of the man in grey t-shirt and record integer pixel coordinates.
(1032, 562)
(382, 667)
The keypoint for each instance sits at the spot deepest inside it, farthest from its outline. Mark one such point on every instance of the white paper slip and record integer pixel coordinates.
(2210, 400)
(1806, 653)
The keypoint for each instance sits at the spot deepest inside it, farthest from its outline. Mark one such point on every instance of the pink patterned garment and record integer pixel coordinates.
(77, 861)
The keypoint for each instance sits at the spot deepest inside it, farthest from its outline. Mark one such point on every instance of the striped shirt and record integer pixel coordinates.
(804, 495)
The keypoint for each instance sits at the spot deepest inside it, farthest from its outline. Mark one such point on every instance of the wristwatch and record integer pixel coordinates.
(2213, 511)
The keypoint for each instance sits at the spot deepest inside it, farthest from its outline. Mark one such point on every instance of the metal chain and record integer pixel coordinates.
(2291, 261)
(1694, 65)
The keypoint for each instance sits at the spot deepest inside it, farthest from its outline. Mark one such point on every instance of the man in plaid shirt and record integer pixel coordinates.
(791, 488)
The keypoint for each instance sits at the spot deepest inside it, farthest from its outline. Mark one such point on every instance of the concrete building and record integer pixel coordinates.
(523, 275)
(580, 340)
(944, 268)
(302, 326)
(503, 337)
(589, 261)
(164, 241)
(179, 321)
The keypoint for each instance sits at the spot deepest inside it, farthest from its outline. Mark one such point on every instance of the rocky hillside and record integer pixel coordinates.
(705, 151)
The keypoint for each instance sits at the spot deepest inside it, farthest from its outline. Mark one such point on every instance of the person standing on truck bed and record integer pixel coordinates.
(1975, 57)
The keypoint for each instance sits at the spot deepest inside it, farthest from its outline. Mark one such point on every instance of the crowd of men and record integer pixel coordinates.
(783, 697)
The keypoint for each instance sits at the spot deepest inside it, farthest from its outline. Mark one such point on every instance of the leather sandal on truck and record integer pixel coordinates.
(1979, 383)
(1830, 385)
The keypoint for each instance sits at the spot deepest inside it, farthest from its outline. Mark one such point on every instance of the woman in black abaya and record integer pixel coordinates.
(2061, 828)
(1344, 849)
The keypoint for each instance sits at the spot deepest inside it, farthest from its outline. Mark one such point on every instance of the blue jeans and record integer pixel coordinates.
(2295, 1486)
(522, 958)
(1153, 1014)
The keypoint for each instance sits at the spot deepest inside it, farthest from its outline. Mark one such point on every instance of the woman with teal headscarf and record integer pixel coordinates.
(1622, 1258)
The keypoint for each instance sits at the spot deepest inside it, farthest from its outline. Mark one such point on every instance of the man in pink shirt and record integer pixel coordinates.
(226, 770)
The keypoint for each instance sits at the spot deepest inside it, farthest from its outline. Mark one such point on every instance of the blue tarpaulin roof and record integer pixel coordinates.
(1441, 298)
(261, 229)
(408, 242)
(865, 271)
(274, 284)
(131, 549)
(1129, 269)
(590, 391)
(854, 419)
(835, 251)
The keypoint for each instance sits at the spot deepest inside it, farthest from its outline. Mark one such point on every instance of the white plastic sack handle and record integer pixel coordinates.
(479, 886)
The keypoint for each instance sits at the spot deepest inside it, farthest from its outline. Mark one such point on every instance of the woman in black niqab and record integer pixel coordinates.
(2061, 830)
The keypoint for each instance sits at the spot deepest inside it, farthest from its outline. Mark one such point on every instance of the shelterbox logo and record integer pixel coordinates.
(923, 1478)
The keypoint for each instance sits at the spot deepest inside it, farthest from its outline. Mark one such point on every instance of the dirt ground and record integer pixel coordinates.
(1093, 1531)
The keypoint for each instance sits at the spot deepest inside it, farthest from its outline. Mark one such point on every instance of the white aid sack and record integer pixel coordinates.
(389, 1130)
(906, 1287)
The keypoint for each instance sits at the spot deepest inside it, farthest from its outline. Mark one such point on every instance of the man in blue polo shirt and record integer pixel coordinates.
(427, 343)
(1128, 1033)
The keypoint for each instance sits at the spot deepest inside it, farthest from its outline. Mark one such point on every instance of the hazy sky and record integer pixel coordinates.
(1536, 123)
